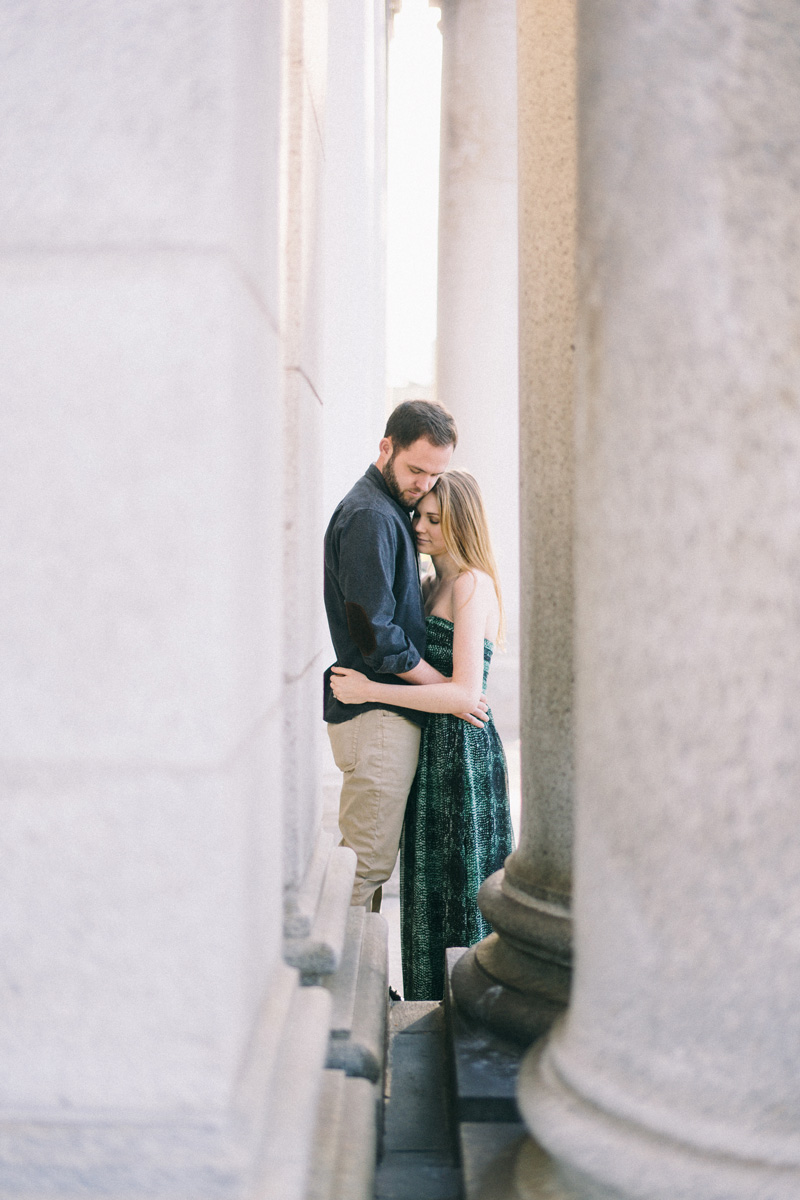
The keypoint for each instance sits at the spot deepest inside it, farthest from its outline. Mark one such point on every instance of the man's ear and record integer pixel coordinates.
(385, 447)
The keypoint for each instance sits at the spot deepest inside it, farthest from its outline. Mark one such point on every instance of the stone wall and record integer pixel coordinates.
(161, 282)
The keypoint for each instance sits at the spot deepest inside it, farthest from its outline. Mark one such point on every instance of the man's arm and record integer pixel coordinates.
(366, 576)
(366, 573)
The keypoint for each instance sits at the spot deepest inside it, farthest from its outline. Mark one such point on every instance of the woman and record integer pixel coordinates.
(457, 828)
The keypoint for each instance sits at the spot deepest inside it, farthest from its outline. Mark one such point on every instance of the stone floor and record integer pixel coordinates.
(419, 1154)
(449, 1112)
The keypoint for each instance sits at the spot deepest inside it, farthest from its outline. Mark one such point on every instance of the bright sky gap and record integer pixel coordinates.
(415, 68)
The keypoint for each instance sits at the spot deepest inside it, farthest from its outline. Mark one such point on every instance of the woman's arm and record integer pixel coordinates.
(471, 601)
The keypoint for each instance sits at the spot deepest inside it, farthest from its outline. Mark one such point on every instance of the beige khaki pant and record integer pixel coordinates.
(377, 754)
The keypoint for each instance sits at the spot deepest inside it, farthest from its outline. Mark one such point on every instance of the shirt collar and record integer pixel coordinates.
(372, 473)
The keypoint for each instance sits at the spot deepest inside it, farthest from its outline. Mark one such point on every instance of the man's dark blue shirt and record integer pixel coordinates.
(373, 596)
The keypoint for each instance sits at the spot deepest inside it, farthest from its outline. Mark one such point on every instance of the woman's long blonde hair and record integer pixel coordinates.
(465, 530)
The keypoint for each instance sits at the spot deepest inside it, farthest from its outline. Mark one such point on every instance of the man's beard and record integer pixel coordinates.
(390, 479)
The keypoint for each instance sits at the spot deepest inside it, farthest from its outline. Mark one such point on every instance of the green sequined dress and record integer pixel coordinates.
(457, 832)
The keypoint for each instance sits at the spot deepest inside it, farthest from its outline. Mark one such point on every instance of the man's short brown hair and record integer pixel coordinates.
(415, 419)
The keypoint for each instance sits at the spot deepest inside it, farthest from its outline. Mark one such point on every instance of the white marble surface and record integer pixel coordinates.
(142, 129)
(477, 344)
(136, 455)
(142, 476)
(299, 500)
(354, 268)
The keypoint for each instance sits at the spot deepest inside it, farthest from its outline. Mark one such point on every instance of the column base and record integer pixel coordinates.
(523, 1171)
(596, 1154)
(516, 981)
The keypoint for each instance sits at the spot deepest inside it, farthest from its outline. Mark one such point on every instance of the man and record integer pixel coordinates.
(376, 618)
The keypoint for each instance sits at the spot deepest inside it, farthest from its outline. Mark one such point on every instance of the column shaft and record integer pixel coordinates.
(302, 246)
(676, 1072)
(476, 367)
(528, 904)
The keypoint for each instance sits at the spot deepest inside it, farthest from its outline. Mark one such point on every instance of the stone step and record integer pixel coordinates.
(484, 1071)
(360, 992)
(345, 1145)
(410, 1177)
(488, 1151)
(319, 952)
(294, 1095)
(345, 952)
(419, 1154)
(452, 1126)
(300, 904)
(418, 1111)
(485, 1067)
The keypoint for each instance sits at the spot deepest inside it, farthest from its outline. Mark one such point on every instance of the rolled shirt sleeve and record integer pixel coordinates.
(367, 561)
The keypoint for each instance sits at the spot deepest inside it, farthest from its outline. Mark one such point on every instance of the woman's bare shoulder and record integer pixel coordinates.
(472, 578)
(472, 582)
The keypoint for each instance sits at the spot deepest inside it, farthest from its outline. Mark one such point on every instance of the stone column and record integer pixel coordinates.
(302, 250)
(354, 359)
(528, 904)
(147, 1014)
(476, 372)
(677, 1071)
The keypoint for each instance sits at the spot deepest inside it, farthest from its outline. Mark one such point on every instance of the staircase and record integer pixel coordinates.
(419, 1152)
(449, 1106)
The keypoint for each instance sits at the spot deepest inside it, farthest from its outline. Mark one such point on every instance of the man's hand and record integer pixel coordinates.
(479, 715)
(350, 687)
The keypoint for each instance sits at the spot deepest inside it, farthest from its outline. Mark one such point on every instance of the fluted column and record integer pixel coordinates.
(476, 352)
(677, 1071)
(528, 903)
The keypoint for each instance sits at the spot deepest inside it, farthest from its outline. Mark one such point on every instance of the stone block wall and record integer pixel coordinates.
(162, 444)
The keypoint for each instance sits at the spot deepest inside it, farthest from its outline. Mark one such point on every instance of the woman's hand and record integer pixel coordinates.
(349, 687)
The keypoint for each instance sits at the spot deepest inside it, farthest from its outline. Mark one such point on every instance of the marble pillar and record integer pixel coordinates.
(302, 249)
(354, 355)
(676, 1074)
(476, 355)
(143, 990)
(517, 980)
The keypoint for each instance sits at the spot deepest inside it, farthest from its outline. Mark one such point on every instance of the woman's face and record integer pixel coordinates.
(427, 526)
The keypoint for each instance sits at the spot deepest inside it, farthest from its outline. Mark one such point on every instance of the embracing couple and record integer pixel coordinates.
(409, 727)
